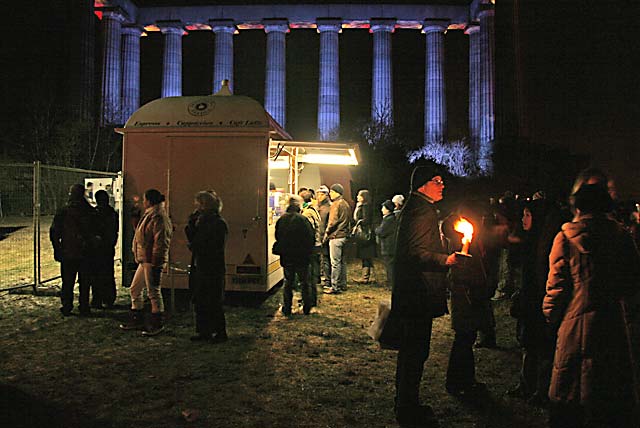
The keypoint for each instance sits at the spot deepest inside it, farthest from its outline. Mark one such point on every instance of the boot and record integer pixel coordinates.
(366, 276)
(135, 322)
(155, 327)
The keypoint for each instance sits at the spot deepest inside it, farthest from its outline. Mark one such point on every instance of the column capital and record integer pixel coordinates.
(114, 13)
(131, 30)
(435, 25)
(223, 26)
(329, 25)
(380, 24)
(486, 9)
(471, 29)
(171, 27)
(276, 25)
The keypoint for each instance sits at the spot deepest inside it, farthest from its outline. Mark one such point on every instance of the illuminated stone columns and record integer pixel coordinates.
(130, 71)
(110, 108)
(224, 30)
(487, 88)
(382, 80)
(172, 60)
(329, 79)
(275, 85)
(435, 111)
(473, 31)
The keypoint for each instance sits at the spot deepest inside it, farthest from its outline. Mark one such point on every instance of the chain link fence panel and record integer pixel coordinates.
(26, 254)
(16, 225)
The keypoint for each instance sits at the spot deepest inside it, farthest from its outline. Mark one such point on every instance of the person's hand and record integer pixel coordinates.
(451, 260)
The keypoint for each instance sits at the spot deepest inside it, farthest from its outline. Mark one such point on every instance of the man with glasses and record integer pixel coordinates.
(419, 292)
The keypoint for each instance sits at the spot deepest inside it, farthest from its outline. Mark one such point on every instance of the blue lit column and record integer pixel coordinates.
(130, 71)
(382, 76)
(275, 83)
(110, 112)
(435, 111)
(329, 80)
(224, 30)
(473, 31)
(172, 61)
(487, 89)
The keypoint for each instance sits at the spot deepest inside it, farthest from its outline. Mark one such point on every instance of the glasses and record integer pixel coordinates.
(438, 182)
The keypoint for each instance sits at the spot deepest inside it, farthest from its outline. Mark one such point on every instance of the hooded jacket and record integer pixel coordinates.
(593, 265)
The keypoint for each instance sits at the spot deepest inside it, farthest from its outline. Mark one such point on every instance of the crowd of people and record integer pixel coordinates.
(567, 269)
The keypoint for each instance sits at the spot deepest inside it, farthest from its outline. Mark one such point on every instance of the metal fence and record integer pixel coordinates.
(30, 195)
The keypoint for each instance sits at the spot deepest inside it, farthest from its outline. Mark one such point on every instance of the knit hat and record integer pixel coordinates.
(398, 199)
(389, 205)
(323, 189)
(423, 173)
(337, 188)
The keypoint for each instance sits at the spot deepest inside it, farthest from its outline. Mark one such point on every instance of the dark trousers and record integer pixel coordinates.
(314, 276)
(291, 272)
(462, 368)
(209, 305)
(70, 270)
(388, 266)
(414, 351)
(103, 283)
(325, 264)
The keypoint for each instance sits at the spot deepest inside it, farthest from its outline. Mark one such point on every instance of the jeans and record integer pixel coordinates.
(147, 276)
(69, 270)
(338, 264)
(325, 264)
(291, 271)
(414, 351)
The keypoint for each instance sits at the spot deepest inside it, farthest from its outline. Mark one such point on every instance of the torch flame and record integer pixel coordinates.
(466, 228)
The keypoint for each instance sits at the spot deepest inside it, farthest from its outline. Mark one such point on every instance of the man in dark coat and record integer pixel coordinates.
(386, 235)
(72, 239)
(207, 235)
(419, 291)
(103, 280)
(295, 239)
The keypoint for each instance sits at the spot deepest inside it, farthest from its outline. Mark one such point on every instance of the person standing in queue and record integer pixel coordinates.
(338, 229)
(419, 291)
(295, 239)
(151, 251)
(104, 282)
(72, 239)
(207, 234)
(324, 206)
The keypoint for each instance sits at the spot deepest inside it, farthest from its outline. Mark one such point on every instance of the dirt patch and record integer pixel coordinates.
(320, 370)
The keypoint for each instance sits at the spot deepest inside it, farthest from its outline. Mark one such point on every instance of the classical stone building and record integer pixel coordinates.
(123, 23)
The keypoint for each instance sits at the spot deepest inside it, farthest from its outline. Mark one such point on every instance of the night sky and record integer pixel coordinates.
(580, 84)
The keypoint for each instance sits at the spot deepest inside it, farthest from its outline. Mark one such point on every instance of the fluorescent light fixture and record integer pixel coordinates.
(329, 159)
(281, 163)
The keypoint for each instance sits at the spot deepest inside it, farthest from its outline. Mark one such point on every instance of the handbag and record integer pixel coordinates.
(386, 327)
(360, 233)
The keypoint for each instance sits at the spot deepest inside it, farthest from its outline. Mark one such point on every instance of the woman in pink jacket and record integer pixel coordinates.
(151, 249)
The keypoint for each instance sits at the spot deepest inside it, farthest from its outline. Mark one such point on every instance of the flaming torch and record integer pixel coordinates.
(466, 228)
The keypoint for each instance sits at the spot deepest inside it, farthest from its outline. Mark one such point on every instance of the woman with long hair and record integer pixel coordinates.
(365, 239)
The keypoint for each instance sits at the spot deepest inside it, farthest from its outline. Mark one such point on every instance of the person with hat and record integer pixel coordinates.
(338, 229)
(398, 203)
(323, 204)
(594, 266)
(386, 236)
(419, 291)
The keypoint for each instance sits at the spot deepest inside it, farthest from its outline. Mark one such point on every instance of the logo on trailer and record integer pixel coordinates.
(201, 107)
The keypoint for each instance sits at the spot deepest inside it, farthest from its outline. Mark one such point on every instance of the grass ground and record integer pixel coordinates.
(320, 370)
